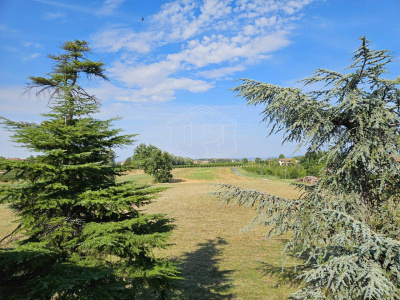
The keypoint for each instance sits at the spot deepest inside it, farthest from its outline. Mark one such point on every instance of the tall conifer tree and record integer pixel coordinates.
(348, 223)
(85, 237)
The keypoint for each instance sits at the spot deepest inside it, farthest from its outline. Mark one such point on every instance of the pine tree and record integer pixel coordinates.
(348, 223)
(85, 236)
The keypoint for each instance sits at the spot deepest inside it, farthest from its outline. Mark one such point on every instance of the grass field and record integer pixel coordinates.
(216, 261)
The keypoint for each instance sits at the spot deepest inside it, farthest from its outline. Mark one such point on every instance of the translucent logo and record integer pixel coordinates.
(202, 132)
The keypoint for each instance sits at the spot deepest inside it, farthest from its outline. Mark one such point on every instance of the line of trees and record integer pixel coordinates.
(311, 164)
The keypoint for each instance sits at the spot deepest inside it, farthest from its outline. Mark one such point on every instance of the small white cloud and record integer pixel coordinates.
(32, 44)
(161, 91)
(166, 89)
(249, 30)
(113, 40)
(52, 16)
(109, 7)
(266, 22)
(78, 8)
(32, 56)
(144, 75)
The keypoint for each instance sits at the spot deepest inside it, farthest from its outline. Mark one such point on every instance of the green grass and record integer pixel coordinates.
(202, 174)
(137, 176)
(269, 177)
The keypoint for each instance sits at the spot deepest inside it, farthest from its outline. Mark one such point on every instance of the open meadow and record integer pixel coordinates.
(216, 260)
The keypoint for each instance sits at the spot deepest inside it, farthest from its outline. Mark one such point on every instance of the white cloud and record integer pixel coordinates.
(220, 49)
(116, 39)
(266, 22)
(67, 6)
(143, 75)
(32, 44)
(109, 7)
(211, 39)
(52, 16)
(163, 90)
(13, 101)
(221, 72)
(32, 56)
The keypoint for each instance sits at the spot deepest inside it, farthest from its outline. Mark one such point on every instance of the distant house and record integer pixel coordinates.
(285, 162)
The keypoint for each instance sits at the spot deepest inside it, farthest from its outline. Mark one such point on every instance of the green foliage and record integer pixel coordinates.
(85, 235)
(281, 172)
(211, 165)
(257, 160)
(348, 223)
(281, 156)
(314, 162)
(178, 160)
(245, 160)
(154, 162)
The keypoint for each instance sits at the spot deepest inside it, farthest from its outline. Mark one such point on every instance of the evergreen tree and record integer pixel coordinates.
(348, 223)
(154, 162)
(85, 236)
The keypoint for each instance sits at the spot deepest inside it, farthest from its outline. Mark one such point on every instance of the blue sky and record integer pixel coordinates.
(170, 74)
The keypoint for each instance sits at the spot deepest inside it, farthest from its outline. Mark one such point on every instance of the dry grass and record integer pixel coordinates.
(6, 222)
(216, 261)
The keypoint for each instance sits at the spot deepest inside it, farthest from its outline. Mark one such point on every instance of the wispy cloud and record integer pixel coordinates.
(67, 6)
(53, 16)
(109, 7)
(214, 38)
(221, 72)
(14, 101)
(32, 45)
(30, 57)
(161, 91)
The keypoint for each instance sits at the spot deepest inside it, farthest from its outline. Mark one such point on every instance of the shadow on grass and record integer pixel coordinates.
(178, 180)
(285, 277)
(202, 278)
